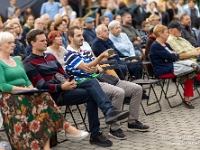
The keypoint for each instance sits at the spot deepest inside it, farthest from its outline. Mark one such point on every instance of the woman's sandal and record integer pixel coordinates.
(188, 104)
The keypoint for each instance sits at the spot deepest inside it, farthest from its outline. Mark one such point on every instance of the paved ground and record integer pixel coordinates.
(171, 129)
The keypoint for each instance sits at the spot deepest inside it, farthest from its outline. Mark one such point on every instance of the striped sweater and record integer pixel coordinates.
(41, 70)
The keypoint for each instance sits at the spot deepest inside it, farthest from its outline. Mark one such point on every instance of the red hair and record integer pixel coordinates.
(52, 35)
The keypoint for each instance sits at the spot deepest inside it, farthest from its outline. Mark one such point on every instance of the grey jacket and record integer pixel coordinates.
(131, 32)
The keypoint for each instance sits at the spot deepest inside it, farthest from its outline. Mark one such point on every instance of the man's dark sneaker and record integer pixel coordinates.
(100, 140)
(116, 115)
(118, 134)
(137, 126)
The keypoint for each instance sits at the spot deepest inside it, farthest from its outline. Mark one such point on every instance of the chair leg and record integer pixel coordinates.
(168, 97)
(148, 104)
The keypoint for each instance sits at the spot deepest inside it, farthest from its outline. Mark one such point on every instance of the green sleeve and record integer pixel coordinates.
(3, 85)
(28, 82)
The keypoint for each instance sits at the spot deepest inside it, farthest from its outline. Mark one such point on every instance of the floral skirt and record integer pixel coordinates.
(30, 120)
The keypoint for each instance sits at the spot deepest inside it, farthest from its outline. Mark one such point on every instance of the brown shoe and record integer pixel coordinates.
(188, 104)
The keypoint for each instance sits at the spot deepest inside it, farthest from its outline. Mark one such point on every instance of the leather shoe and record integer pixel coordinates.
(81, 136)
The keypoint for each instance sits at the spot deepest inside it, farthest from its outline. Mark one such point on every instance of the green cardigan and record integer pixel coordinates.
(12, 76)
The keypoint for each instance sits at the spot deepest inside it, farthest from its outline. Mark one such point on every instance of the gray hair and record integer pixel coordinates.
(99, 28)
(112, 24)
(5, 36)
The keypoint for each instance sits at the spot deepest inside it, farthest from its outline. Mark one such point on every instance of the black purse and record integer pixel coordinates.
(104, 77)
(59, 79)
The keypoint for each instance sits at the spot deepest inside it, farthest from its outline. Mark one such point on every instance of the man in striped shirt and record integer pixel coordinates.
(83, 63)
(41, 68)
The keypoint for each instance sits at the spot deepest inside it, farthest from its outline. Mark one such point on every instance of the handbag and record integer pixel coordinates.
(104, 77)
(59, 79)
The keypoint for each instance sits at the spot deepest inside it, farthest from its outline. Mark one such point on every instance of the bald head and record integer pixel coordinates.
(45, 18)
(39, 24)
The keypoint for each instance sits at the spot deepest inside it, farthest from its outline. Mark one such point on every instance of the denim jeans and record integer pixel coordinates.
(89, 92)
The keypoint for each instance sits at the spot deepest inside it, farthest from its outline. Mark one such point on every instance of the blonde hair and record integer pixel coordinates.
(152, 18)
(14, 21)
(159, 29)
(80, 20)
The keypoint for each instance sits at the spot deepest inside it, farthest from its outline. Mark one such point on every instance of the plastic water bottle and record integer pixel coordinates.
(5, 145)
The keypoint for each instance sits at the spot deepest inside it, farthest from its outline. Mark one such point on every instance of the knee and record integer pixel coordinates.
(120, 93)
(138, 88)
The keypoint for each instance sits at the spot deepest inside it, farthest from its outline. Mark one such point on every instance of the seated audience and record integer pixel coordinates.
(27, 27)
(77, 22)
(109, 11)
(28, 11)
(102, 43)
(145, 27)
(163, 56)
(153, 20)
(41, 74)
(60, 25)
(122, 9)
(121, 40)
(104, 20)
(89, 30)
(17, 27)
(50, 27)
(131, 32)
(192, 11)
(45, 19)
(187, 33)
(118, 18)
(83, 63)
(181, 46)
(17, 14)
(151, 39)
(19, 49)
(164, 16)
(11, 9)
(29, 120)
(38, 24)
(55, 46)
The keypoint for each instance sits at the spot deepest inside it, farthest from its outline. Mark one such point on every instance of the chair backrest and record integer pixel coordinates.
(151, 63)
(112, 65)
(134, 60)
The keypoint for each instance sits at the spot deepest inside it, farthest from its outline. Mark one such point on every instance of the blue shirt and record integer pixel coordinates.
(50, 8)
(123, 44)
(109, 15)
(74, 58)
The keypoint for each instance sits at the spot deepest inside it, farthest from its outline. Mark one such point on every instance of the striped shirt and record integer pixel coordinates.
(41, 70)
(74, 58)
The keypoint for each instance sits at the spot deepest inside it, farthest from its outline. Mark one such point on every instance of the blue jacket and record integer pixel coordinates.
(99, 46)
(89, 35)
(162, 59)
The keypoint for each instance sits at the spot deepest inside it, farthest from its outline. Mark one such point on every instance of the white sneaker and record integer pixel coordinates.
(81, 136)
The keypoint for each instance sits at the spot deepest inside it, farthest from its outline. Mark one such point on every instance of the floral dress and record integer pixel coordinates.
(30, 120)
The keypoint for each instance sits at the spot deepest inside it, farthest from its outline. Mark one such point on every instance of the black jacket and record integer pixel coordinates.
(138, 17)
(123, 10)
(165, 18)
(189, 35)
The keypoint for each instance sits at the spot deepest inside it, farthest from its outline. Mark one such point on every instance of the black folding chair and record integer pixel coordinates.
(166, 82)
(112, 64)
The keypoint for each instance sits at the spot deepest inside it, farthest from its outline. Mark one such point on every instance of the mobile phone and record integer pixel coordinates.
(111, 52)
(71, 78)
